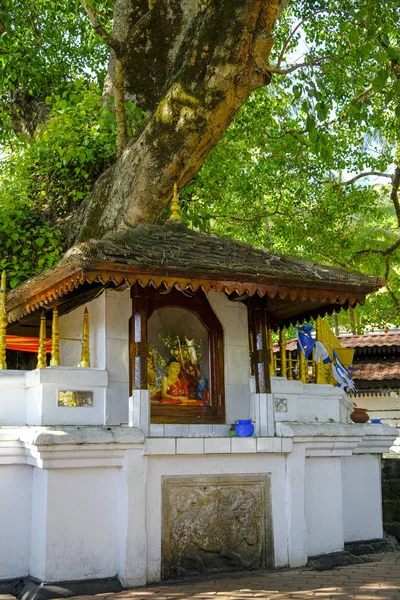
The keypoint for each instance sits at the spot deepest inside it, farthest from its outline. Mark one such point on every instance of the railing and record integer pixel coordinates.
(287, 363)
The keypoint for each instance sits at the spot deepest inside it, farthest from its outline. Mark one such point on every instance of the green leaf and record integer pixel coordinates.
(310, 123)
(39, 242)
(354, 36)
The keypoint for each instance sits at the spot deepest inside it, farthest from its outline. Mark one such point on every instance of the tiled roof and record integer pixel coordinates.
(377, 371)
(172, 255)
(371, 340)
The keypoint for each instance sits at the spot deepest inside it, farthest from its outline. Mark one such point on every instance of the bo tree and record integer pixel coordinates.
(327, 78)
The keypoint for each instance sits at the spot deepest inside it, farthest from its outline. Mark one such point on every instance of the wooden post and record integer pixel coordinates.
(259, 354)
(41, 359)
(85, 357)
(282, 346)
(3, 322)
(140, 346)
(55, 340)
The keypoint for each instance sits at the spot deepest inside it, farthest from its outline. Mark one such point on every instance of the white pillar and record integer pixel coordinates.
(263, 414)
(295, 507)
(133, 534)
(139, 410)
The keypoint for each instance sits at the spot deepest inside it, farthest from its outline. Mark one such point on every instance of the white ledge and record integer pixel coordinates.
(68, 377)
(339, 439)
(216, 445)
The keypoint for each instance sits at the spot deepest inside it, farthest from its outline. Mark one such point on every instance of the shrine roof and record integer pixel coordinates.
(371, 340)
(376, 371)
(173, 255)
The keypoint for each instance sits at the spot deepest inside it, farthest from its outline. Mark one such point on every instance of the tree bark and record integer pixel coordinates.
(190, 65)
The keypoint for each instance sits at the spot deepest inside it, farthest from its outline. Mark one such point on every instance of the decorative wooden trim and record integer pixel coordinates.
(44, 292)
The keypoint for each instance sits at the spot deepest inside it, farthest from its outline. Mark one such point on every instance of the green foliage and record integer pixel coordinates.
(28, 244)
(46, 176)
(278, 177)
(44, 46)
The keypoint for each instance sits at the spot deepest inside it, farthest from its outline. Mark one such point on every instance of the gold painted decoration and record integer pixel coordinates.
(271, 361)
(85, 358)
(55, 340)
(282, 344)
(3, 322)
(174, 208)
(303, 365)
(290, 367)
(41, 360)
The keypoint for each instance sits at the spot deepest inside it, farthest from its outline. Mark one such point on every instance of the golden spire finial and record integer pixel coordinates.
(55, 340)
(174, 208)
(41, 359)
(85, 357)
(3, 322)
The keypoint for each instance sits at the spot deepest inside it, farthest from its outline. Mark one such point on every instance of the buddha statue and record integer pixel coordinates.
(174, 389)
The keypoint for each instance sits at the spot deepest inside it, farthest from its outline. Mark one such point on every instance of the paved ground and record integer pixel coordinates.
(368, 581)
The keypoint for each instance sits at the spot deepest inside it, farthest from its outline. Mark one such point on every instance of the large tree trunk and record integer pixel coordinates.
(190, 66)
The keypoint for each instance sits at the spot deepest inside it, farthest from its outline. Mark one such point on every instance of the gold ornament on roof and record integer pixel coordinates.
(174, 208)
(3, 322)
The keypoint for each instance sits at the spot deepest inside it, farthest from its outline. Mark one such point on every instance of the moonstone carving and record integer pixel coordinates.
(216, 524)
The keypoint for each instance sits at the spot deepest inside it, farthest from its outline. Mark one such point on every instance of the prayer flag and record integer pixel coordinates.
(305, 343)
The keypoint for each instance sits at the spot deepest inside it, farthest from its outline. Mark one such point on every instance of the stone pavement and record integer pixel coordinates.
(367, 581)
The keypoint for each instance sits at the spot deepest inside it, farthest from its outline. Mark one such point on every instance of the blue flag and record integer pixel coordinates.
(305, 342)
(341, 374)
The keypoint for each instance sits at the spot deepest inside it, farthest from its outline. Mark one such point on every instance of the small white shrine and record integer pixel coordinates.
(118, 460)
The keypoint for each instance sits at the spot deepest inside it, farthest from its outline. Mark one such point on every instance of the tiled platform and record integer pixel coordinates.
(368, 581)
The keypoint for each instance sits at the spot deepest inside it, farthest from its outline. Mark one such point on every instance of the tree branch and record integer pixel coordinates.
(300, 24)
(310, 63)
(394, 195)
(356, 177)
(383, 252)
(101, 31)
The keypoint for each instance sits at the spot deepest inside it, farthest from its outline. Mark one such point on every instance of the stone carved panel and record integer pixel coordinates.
(280, 404)
(214, 524)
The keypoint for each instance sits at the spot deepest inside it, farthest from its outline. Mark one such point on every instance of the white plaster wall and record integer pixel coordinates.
(309, 403)
(132, 519)
(15, 519)
(38, 524)
(323, 505)
(234, 321)
(42, 386)
(12, 398)
(118, 310)
(70, 326)
(295, 507)
(109, 346)
(386, 408)
(362, 497)
(159, 466)
(82, 523)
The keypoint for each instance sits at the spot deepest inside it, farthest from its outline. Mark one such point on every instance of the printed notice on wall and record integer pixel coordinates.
(76, 399)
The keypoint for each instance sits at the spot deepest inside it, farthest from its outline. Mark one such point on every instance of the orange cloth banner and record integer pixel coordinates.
(25, 344)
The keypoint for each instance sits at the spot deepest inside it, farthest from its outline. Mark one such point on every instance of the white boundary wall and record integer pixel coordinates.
(85, 502)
